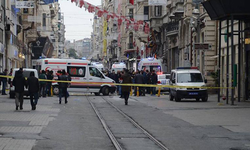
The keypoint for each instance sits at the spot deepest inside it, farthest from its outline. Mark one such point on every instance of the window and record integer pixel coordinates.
(130, 37)
(131, 13)
(95, 72)
(76, 71)
(44, 19)
(25, 10)
(145, 13)
(26, 74)
(158, 10)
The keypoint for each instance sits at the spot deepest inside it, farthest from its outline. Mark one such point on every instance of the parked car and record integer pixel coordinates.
(26, 74)
(163, 79)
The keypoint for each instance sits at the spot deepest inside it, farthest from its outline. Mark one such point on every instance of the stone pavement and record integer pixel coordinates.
(232, 117)
(19, 130)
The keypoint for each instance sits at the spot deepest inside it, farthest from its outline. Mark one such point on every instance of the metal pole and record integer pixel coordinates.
(219, 67)
(198, 53)
(239, 60)
(227, 59)
(232, 59)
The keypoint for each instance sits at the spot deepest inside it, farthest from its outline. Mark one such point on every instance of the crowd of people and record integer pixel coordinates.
(38, 88)
(43, 88)
(138, 77)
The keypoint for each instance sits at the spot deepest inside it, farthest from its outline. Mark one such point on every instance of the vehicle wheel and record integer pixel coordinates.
(171, 96)
(205, 99)
(97, 94)
(12, 95)
(105, 91)
(177, 99)
(197, 99)
(55, 90)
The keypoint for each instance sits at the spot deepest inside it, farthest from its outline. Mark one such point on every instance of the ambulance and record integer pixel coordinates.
(98, 65)
(86, 78)
(118, 66)
(150, 64)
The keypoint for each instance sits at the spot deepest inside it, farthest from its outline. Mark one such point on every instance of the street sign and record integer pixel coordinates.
(202, 46)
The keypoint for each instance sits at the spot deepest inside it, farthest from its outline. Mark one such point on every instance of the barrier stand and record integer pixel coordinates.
(159, 92)
(131, 92)
(137, 91)
(51, 90)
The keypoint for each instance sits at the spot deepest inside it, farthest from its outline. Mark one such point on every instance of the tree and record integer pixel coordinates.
(72, 53)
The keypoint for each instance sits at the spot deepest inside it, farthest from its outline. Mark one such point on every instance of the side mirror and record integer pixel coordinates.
(173, 81)
(205, 80)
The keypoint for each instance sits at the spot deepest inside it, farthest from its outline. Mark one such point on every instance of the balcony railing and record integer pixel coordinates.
(130, 46)
(172, 26)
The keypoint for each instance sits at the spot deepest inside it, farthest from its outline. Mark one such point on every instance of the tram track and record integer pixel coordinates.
(112, 137)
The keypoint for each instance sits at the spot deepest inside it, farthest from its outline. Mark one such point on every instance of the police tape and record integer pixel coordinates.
(122, 84)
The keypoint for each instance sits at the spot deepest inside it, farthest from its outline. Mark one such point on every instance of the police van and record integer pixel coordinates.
(86, 78)
(192, 80)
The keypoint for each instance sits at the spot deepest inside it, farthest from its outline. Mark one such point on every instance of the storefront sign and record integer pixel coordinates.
(24, 4)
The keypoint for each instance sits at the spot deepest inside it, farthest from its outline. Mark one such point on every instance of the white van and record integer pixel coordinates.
(150, 64)
(86, 78)
(26, 74)
(118, 66)
(187, 76)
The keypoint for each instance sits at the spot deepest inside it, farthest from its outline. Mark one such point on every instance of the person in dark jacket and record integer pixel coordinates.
(19, 82)
(42, 84)
(139, 80)
(49, 84)
(153, 81)
(126, 79)
(148, 75)
(4, 81)
(33, 87)
(63, 86)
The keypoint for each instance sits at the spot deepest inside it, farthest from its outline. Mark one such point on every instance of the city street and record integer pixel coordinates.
(188, 125)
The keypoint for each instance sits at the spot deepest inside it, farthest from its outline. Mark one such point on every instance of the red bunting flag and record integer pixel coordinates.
(100, 13)
(119, 21)
(131, 2)
(81, 3)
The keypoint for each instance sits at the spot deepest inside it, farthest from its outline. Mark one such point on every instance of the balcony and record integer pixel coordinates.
(130, 48)
(172, 28)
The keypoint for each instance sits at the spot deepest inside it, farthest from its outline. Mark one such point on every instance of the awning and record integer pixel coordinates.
(224, 9)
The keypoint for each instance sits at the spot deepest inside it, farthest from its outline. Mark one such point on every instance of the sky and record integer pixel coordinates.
(78, 22)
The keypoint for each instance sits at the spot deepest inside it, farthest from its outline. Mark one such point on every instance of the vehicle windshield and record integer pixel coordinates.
(26, 74)
(164, 76)
(151, 68)
(189, 77)
(117, 69)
